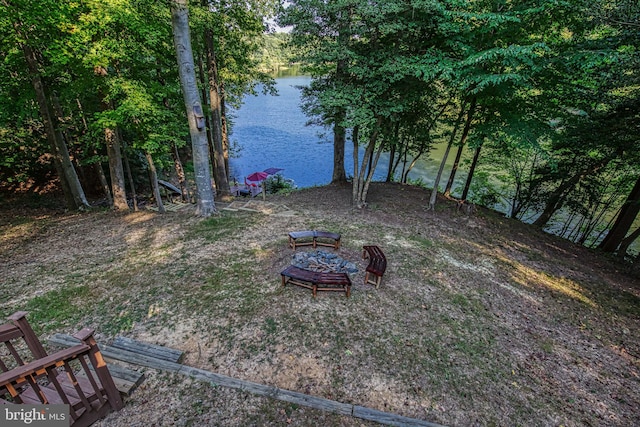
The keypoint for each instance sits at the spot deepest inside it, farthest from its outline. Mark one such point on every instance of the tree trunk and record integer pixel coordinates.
(516, 207)
(182, 41)
(153, 176)
(556, 199)
(454, 170)
(220, 174)
(98, 164)
(114, 153)
(407, 169)
(127, 167)
(63, 137)
(339, 140)
(390, 168)
(392, 153)
(434, 191)
(182, 180)
(360, 183)
(103, 182)
(339, 175)
(624, 221)
(118, 189)
(472, 169)
(626, 242)
(225, 131)
(74, 194)
(362, 199)
(401, 157)
(355, 139)
(463, 141)
(202, 85)
(358, 178)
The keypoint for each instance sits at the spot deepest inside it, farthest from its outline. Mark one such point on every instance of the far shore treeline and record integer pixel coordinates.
(538, 103)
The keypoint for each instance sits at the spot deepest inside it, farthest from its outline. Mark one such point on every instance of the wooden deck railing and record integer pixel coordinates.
(76, 376)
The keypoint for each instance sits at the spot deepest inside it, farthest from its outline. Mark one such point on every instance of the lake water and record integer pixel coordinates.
(271, 131)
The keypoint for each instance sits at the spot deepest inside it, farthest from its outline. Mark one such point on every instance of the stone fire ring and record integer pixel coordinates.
(322, 261)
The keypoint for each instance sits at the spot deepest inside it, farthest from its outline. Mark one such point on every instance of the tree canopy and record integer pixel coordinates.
(547, 89)
(539, 101)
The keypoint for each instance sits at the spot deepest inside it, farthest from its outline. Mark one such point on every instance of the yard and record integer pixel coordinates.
(479, 320)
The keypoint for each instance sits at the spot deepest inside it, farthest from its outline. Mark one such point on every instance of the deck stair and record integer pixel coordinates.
(128, 350)
(75, 376)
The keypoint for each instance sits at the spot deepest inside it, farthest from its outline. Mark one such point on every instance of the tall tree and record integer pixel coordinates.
(322, 33)
(220, 172)
(195, 115)
(116, 168)
(153, 177)
(452, 137)
(228, 35)
(31, 37)
(113, 145)
(461, 145)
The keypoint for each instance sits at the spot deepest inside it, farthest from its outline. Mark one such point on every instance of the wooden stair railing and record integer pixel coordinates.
(64, 377)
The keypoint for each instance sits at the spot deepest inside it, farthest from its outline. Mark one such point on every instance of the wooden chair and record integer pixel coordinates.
(377, 264)
(76, 376)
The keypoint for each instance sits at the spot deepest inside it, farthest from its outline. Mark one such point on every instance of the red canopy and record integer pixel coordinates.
(257, 176)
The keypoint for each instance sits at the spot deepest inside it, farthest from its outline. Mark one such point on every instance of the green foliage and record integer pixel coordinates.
(237, 31)
(275, 52)
(556, 83)
(278, 184)
(111, 64)
(485, 191)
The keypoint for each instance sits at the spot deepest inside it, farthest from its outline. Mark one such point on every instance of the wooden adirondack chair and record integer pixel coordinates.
(76, 376)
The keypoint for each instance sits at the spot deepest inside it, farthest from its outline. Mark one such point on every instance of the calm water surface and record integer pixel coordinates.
(271, 131)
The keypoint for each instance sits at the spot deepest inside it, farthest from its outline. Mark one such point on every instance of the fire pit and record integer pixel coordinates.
(326, 262)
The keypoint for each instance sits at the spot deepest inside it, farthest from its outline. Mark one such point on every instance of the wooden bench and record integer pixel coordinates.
(76, 376)
(377, 264)
(314, 238)
(316, 281)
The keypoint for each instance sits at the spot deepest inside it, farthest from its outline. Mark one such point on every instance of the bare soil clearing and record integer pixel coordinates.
(480, 320)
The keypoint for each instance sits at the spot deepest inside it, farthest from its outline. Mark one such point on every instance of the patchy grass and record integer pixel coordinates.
(479, 320)
(57, 308)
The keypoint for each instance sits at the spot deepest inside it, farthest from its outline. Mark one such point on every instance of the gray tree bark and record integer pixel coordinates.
(197, 129)
(360, 185)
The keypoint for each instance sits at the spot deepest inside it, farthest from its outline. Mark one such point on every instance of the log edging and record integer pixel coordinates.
(273, 392)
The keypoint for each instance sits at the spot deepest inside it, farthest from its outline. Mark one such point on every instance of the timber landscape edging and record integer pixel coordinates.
(134, 357)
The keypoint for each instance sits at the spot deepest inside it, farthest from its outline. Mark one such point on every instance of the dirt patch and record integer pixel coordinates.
(479, 320)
